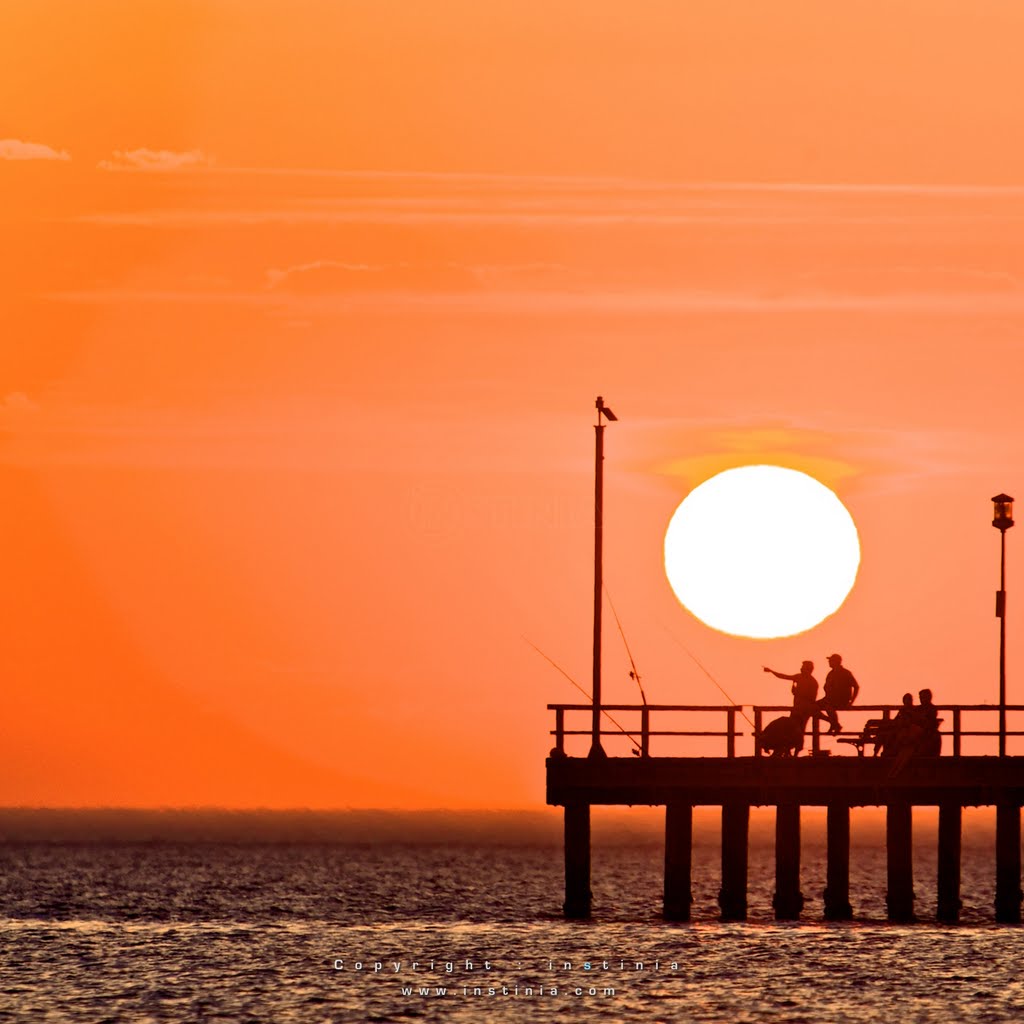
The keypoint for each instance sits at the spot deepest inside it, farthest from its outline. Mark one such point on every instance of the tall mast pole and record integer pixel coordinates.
(1002, 520)
(596, 750)
(1002, 643)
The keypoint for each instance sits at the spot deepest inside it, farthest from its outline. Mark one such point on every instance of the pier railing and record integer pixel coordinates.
(633, 726)
(633, 723)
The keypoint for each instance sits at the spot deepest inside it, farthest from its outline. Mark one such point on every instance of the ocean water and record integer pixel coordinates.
(472, 931)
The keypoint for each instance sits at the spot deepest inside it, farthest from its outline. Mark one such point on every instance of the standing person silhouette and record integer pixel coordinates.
(805, 694)
(841, 691)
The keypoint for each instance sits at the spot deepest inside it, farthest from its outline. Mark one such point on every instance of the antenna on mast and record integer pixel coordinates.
(596, 750)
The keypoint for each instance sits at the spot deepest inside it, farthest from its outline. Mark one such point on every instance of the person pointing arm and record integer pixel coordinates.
(805, 686)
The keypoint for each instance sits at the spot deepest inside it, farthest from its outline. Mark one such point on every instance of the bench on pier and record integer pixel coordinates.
(871, 733)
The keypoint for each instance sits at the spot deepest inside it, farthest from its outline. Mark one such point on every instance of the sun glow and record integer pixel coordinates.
(762, 551)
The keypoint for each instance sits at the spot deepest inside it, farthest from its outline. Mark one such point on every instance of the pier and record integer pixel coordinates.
(737, 776)
(714, 756)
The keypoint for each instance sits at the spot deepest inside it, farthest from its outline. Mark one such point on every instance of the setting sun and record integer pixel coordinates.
(762, 551)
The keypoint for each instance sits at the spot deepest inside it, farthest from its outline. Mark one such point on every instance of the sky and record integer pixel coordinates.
(304, 310)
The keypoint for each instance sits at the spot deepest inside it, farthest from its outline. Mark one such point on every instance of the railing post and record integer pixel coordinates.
(560, 730)
(645, 732)
(731, 726)
(956, 732)
(757, 732)
(815, 736)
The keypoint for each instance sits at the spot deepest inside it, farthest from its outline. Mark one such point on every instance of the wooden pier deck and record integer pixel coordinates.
(834, 777)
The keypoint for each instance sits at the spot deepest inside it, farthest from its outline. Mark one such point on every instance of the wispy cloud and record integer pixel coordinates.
(875, 459)
(883, 281)
(520, 215)
(17, 149)
(332, 276)
(279, 276)
(505, 182)
(595, 245)
(637, 301)
(283, 432)
(460, 204)
(17, 401)
(154, 160)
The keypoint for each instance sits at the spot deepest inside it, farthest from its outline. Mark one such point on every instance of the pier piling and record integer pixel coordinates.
(948, 881)
(732, 897)
(577, 860)
(837, 880)
(678, 860)
(900, 861)
(788, 900)
(1008, 893)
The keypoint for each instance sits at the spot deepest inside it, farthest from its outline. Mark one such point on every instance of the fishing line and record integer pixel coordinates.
(552, 661)
(634, 674)
(707, 673)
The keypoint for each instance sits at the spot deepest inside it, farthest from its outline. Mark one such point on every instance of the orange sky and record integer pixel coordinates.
(304, 309)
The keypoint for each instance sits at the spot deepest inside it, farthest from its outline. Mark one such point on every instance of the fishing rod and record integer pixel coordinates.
(634, 674)
(693, 657)
(551, 661)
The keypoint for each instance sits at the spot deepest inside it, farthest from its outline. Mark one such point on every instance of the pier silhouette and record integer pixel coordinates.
(741, 778)
(736, 779)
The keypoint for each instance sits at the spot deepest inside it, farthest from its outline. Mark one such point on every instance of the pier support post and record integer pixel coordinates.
(837, 880)
(678, 860)
(948, 883)
(732, 897)
(788, 900)
(900, 850)
(577, 860)
(1008, 894)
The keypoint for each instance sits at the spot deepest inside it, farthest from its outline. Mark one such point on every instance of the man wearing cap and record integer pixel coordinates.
(841, 691)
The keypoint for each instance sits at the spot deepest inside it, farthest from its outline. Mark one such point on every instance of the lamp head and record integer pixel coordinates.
(1002, 515)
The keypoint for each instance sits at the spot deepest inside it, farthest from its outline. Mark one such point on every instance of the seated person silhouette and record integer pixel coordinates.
(841, 691)
(926, 716)
(893, 735)
(921, 737)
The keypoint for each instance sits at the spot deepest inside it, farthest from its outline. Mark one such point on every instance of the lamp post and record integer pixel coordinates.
(596, 750)
(1002, 520)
